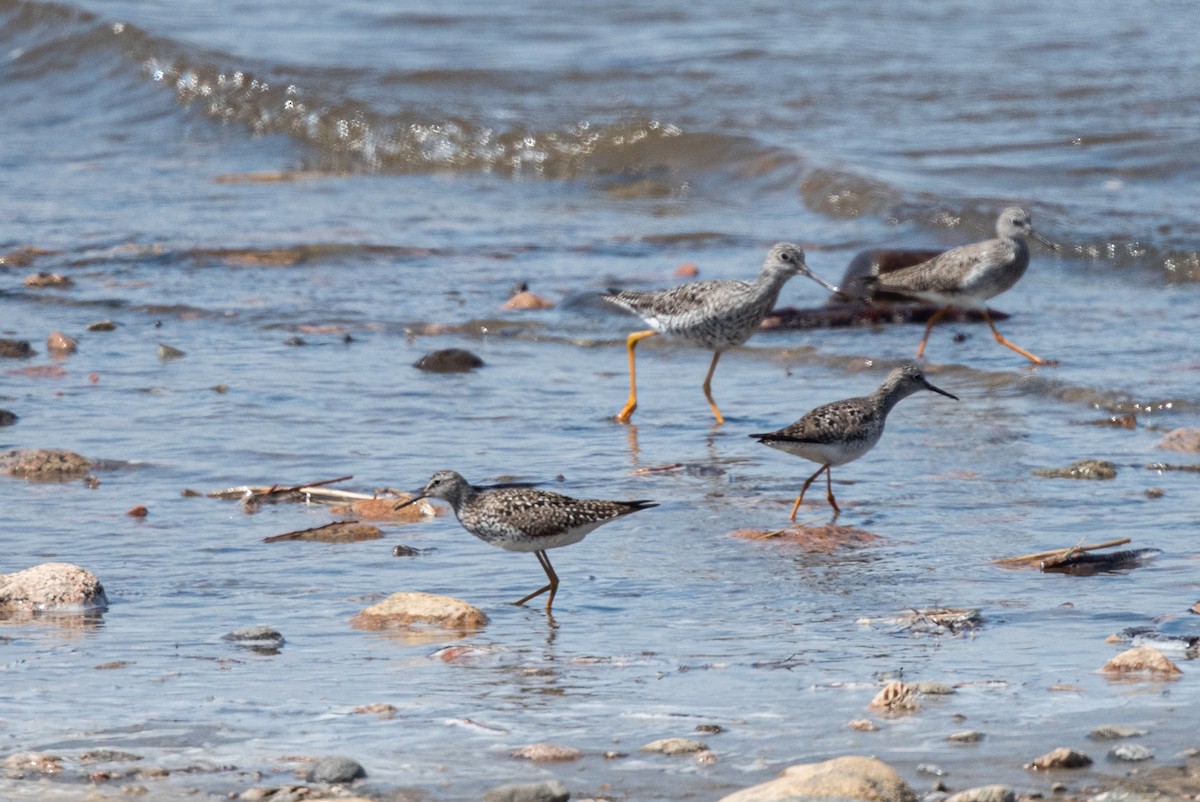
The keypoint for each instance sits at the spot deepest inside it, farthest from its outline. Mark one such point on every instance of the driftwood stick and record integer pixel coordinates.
(1042, 555)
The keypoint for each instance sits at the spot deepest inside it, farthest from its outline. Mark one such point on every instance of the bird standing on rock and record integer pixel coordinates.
(843, 431)
(524, 518)
(968, 276)
(716, 315)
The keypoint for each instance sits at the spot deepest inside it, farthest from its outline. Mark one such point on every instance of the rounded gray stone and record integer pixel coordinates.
(335, 770)
(553, 791)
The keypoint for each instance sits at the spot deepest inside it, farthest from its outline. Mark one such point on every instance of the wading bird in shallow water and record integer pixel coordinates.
(966, 277)
(523, 518)
(843, 431)
(715, 315)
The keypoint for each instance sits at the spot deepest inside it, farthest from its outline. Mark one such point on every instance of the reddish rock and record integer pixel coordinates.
(528, 300)
(687, 270)
(1141, 660)
(1181, 440)
(1060, 758)
(60, 344)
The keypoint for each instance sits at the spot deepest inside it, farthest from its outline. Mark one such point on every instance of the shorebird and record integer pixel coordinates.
(716, 315)
(841, 432)
(523, 518)
(966, 277)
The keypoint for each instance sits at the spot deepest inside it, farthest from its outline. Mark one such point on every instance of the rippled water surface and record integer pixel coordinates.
(373, 180)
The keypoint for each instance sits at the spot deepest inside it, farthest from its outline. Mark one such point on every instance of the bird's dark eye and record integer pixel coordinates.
(786, 256)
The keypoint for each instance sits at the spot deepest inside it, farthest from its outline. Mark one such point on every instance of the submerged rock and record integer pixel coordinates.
(259, 639)
(528, 300)
(674, 746)
(448, 360)
(1083, 469)
(850, 777)
(52, 586)
(44, 464)
(896, 697)
(553, 791)
(60, 344)
(7, 418)
(1130, 753)
(1181, 440)
(401, 610)
(547, 753)
(1115, 732)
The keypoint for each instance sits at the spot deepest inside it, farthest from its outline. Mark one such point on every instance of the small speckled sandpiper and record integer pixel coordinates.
(715, 315)
(968, 276)
(841, 432)
(523, 518)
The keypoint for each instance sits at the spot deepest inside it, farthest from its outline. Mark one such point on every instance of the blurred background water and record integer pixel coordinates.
(224, 177)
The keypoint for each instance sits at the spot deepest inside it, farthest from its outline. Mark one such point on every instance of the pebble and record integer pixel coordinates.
(931, 688)
(553, 791)
(528, 300)
(985, 793)
(335, 770)
(1130, 753)
(674, 746)
(448, 360)
(55, 280)
(102, 325)
(7, 418)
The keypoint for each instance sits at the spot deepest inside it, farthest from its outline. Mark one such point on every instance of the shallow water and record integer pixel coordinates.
(434, 164)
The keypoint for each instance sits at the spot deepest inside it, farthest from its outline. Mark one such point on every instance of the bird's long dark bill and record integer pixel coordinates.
(1054, 246)
(822, 282)
(929, 386)
(419, 495)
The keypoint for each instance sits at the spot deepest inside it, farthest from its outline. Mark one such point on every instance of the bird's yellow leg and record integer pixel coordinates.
(708, 388)
(1037, 360)
(829, 493)
(631, 342)
(552, 587)
(804, 490)
(938, 315)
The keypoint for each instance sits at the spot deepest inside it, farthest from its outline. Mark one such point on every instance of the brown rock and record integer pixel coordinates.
(60, 344)
(15, 349)
(1181, 440)
(528, 300)
(56, 280)
(448, 360)
(985, 793)
(51, 586)
(851, 777)
(687, 270)
(1142, 659)
(27, 763)
(384, 509)
(896, 697)
(138, 512)
(1060, 758)
(863, 725)
(824, 539)
(342, 532)
(44, 464)
(674, 746)
(401, 610)
(547, 753)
